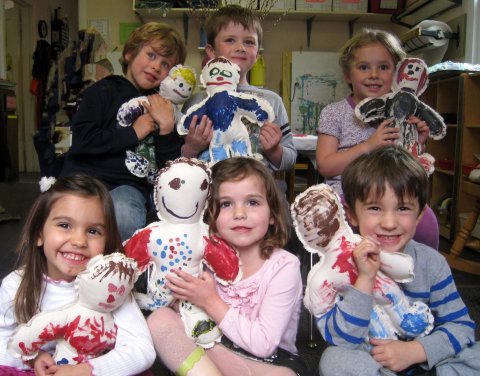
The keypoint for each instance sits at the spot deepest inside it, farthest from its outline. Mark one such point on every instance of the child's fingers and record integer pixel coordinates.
(193, 124)
(386, 123)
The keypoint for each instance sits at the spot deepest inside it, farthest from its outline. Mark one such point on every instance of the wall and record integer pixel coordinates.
(284, 36)
(20, 19)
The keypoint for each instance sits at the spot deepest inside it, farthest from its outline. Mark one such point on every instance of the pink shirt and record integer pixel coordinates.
(265, 307)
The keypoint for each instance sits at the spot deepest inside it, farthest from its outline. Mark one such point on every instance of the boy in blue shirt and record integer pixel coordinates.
(386, 193)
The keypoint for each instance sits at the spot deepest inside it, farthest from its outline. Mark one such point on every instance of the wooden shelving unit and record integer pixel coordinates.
(455, 97)
(275, 14)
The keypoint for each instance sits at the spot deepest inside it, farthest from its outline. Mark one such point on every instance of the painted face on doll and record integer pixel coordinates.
(220, 75)
(323, 220)
(181, 192)
(111, 278)
(412, 74)
(178, 85)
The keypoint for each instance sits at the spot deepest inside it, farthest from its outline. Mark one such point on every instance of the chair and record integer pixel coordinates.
(463, 237)
(303, 175)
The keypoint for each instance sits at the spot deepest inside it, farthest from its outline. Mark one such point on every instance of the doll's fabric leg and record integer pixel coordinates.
(348, 362)
(427, 229)
(130, 210)
(240, 148)
(466, 362)
(219, 153)
(176, 351)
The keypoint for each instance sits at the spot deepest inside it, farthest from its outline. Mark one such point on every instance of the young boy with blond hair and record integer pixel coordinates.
(99, 143)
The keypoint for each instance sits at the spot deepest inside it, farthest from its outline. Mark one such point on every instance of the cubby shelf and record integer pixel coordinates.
(456, 96)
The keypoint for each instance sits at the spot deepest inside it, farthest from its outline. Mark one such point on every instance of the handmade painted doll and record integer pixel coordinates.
(85, 329)
(410, 81)
(177, 88)
(319, 221)
(228, 110)
(180, 240)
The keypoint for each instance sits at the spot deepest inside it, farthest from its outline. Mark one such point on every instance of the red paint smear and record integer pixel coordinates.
(221, 258)
(137, 248)
(344, 260)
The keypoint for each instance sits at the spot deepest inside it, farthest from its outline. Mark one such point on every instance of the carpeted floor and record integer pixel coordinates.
(16, 198)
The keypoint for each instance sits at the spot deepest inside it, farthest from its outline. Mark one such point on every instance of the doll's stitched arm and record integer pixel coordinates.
(434, 121)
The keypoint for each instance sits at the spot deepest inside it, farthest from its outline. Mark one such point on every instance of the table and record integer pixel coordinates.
(305, 145)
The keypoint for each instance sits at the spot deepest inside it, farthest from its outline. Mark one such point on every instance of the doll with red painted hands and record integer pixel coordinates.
(71, 246)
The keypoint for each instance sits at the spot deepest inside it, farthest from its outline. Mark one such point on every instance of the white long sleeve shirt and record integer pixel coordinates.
(133, 352)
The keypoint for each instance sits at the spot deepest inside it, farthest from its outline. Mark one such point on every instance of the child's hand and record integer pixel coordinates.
(270, 137)
(200, 291)
(197, 290)
(81, 369)
(198, 137)
(397, 355)
(162, 113)
(366, 256)
(422, 128)
(144, 125)
(42, 363)
(384, 135)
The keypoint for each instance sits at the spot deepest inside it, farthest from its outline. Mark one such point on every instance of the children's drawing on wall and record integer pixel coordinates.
(316, 81)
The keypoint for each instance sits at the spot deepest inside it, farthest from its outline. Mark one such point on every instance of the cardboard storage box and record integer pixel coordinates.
(281, 5)
(386, 6)
(347, 6)
(250, 4)
(321, 5)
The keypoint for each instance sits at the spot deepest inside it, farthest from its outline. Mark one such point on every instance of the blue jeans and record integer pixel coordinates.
(130, 210)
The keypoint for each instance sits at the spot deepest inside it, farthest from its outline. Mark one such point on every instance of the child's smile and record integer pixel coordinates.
(244, 214)
(391, 222)
(371, 72)
(73, 233)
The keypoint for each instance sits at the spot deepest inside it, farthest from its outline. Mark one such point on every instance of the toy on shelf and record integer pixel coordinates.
(177, 87)
(409, 82)
(319, 221)
(180, 240)
(85, 329)
(236, 116)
